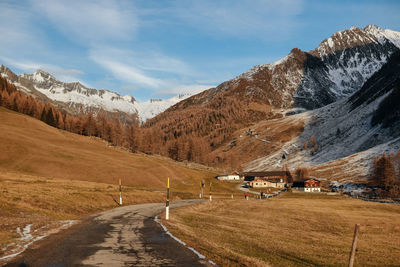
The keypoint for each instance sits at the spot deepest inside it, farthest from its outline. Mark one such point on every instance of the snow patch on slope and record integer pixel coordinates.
(151, 108)
(108, 100)
(393, 36)
(340, 133)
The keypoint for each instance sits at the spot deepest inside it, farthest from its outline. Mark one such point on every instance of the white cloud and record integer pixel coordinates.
(263, 19)
(147, 67)
(17, 30)
(127, 73)
(143, 59)
(91, 21)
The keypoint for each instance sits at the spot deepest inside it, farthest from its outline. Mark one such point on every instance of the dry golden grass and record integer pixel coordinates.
(29, 146)
(291, 230)
(26, 199)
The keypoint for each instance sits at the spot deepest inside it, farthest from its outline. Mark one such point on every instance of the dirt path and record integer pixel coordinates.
(125, 236)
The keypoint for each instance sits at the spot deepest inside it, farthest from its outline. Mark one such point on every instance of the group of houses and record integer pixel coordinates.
(272, 179)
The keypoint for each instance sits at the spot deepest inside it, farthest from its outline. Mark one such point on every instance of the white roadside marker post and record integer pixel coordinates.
(210, 192)
(167, 203)
(120, 193)
(203, 184)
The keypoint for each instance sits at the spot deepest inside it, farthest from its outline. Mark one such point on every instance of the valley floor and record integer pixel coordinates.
(291, 230)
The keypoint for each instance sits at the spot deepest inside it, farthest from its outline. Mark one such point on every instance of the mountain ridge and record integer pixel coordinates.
(75, 96)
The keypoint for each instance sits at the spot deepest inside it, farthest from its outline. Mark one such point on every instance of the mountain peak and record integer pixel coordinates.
(39, 76)
(372, 27)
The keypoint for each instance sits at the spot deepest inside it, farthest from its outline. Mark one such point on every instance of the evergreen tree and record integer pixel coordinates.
(43, 116)
(50, 120)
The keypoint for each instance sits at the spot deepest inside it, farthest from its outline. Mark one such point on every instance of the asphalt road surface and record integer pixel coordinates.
(125, 236)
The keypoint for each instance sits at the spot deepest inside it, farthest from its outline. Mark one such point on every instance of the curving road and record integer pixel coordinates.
(125, 236)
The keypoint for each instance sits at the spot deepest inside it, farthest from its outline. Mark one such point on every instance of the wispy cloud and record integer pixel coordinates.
(260, 19)
(144, 59)
(91, 21)
(147, 68)
(18, 30)
(127, 73)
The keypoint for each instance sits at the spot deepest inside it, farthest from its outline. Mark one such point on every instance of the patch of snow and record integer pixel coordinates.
(151, 108)
(354, 70)
(393, 36)
(37, 77)
(26, 239)
(331, 43)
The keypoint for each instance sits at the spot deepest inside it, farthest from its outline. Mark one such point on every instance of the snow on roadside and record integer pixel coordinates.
(27, 238)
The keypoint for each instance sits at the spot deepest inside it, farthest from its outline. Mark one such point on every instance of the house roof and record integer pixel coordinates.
(228, 174)
(311, 178)
(266, 174)
(298, 184)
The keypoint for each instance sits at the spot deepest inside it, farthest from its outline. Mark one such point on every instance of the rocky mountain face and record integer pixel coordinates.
(352, 130)
(368, 118)
(75, 98)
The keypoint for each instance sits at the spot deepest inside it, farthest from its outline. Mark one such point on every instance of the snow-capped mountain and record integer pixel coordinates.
(79, 98)
(357, 128)
(301, 81)
(338, 67)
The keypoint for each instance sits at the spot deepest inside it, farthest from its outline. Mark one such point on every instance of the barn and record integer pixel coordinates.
(276, 176)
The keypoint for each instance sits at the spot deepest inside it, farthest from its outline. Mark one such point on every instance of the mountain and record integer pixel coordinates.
(336, 68)
(75, 97)
(349, 133)
(301, 81)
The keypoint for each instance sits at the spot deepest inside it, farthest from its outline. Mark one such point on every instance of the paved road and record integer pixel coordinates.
(125, 236)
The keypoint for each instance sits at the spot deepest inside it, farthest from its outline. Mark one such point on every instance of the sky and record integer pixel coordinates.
(158, 49)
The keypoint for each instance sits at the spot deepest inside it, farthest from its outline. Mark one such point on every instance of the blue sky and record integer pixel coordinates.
(157, 49)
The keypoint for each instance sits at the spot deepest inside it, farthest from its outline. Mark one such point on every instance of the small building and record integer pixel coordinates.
(277, 183)
(312, 185)
(308, 185)
(229, 177)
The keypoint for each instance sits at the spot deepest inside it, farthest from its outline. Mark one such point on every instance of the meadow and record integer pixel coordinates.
(290, 230)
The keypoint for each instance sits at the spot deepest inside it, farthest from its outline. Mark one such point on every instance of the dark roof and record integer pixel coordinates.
(265, 174)
(298, 184)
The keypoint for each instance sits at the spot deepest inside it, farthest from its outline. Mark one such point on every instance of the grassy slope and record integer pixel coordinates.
(48, 175)
(249, 147)
(291, 230)
(31, 147)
